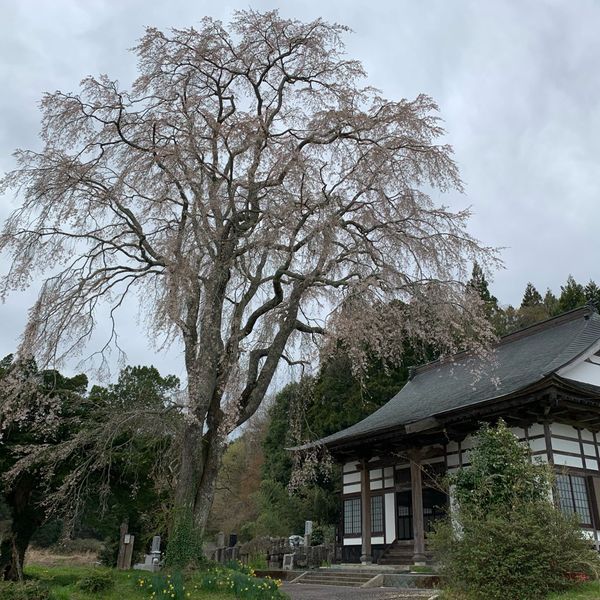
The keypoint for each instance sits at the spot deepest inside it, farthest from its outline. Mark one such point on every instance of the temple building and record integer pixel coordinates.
(544, 381)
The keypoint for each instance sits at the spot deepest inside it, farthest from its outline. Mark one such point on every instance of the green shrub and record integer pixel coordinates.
(506, 540)
(522, 555)
(29, 590)
(258, 562)
(97, 581)
(109, 552)
(317, 537)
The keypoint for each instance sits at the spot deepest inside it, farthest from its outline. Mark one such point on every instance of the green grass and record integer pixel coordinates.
(64, 585)
(585, 591)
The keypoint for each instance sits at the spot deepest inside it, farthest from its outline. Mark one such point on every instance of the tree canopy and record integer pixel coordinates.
(253, 193)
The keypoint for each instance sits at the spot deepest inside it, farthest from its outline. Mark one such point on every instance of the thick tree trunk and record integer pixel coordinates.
(12, 554)
(213, 453)
(200, 459)
(191, 468)
(26, 518)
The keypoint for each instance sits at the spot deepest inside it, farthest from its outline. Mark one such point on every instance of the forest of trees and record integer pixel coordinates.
(333, 400)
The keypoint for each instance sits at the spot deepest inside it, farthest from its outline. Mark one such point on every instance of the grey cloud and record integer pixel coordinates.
(517, 82)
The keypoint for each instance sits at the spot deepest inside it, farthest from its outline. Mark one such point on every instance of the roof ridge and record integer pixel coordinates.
(570, 315)
(587, 310)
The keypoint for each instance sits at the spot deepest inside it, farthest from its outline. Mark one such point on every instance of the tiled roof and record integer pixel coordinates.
(520, 360)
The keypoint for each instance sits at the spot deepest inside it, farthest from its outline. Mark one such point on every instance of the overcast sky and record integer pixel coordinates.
(518, 84)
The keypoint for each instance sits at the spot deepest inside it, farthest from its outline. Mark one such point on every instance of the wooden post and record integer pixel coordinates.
(121, 555)
(129, 539)
(416, 482)
(365, 501)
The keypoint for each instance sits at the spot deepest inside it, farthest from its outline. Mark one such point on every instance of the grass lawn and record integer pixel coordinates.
(586, 591)
(65, 584)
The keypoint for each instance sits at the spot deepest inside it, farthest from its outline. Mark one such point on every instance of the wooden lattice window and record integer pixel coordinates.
(376, 514)
(573, 497)
(352, 516)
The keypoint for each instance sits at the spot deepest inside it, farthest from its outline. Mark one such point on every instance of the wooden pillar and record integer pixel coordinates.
(121, 555)
(365, 505)
(416, 483)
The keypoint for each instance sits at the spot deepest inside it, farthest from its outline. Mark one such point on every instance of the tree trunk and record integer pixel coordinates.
(191, 468)
(214, 448)
(26, 518)
(12, 554)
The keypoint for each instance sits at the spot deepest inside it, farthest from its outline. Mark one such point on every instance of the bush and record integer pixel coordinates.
(317, 536)
(97, 581)
(523, 555)
(506, 540)
(29, 590)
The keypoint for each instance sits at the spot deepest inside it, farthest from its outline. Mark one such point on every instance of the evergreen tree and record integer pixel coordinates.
(531, 297)
(592, 294)
(572, 295)
(551, 303)
(480, 285)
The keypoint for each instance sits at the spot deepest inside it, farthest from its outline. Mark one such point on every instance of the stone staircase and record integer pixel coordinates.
(404, 584)
(401, 553)
(346, 577)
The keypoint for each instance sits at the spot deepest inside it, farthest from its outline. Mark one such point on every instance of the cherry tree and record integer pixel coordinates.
(253, 194)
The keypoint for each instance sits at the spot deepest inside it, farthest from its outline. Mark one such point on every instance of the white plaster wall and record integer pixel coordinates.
(536, 429)
(586, 372)
(354, 541)
(559, 445)
(375, 473)
(562, 429)
(352, 489)
(537, 445)
(351, 478)
(567, 461)
(390, 518)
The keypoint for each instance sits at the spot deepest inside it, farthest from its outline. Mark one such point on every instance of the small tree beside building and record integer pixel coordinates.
(506, 539)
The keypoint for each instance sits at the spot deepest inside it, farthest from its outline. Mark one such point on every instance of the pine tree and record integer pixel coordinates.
(479, 284)
(592, 294)
(572, 295)
(531, 297)
(551, 303)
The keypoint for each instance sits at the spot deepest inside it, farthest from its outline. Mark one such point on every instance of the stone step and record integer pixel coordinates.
(337, 577)
(330, 581)
(343, 577)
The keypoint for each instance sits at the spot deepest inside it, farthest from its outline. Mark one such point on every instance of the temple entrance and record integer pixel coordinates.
(434, 507)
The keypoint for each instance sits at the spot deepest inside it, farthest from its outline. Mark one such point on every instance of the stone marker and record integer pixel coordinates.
(152, 560)
(288, 562)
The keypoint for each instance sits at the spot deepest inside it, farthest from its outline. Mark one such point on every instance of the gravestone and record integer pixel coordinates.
(288, 562)
(308, 527)
(152, 560)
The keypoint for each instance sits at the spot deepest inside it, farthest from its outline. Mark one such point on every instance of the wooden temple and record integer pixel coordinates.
(544, 381)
